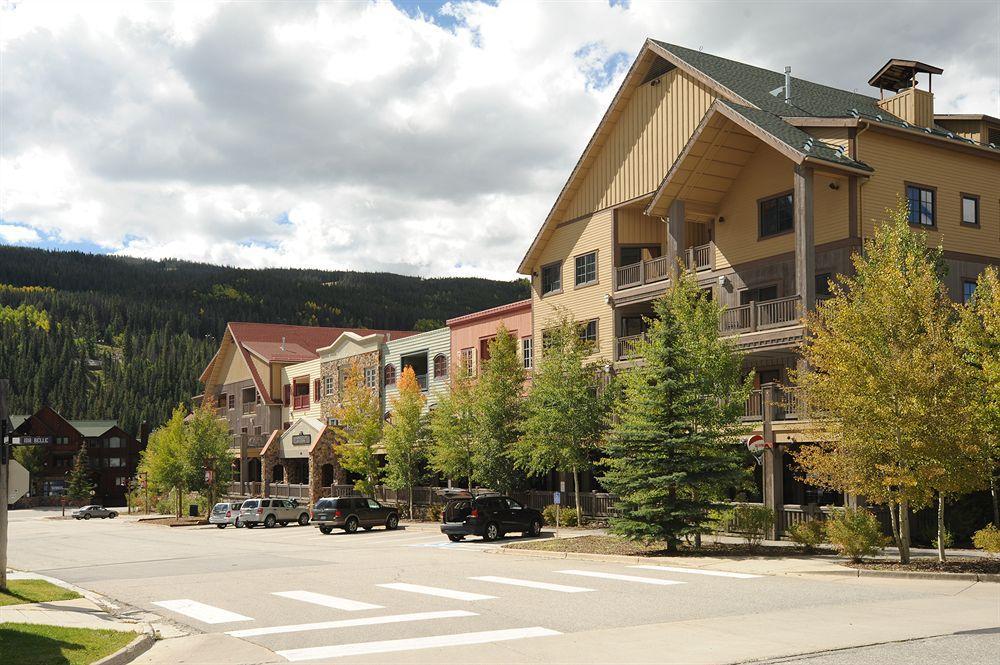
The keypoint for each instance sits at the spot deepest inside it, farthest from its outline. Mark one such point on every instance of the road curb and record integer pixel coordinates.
(140, 645)
(907, 574)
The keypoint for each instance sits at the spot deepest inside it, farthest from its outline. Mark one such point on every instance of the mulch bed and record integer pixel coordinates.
(980, 565)
(174, 521)
(613, 545)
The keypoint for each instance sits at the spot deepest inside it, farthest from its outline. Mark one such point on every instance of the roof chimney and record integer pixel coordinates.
(910, 104)
(788, 84)
(282, 343)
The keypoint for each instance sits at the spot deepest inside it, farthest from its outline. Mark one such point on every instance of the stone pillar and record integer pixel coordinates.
(805, 244)
(676, 239)
(320, 455)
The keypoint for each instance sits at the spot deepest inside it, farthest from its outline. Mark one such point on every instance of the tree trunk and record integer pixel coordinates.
(996, 504)
(904, 532)
(576, 491)
(894, 519)
(180, 510)
(940, 527)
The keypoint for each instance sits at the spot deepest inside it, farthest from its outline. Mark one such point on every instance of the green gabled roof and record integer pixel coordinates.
(17, 421)
(795, 138)
(755, 85)
(93, 428)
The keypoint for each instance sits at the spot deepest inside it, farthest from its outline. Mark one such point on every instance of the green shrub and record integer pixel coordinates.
(808, 534)
(856, 533)
(567, 516)
(987, 539)
(432, 513)
(949, 540)
(752, 523)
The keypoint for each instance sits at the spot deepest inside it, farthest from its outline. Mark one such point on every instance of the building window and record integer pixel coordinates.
(586, 269)
(332, 422)
(759, 294)
(114, 442)
(468, 360)
(440, 366)
(371, 377)
(551, 278)
(300, 395)
(922, 208)
(526, 352)
(588, 332)
(328, 386)
(968, 290)
(775, 215)
(232, 402)
(823, 284)
(970, 209)
(390, 375)
(115, 462)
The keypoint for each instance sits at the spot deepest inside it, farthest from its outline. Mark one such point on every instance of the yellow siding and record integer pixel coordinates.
(584, 303)
(649, 134)
(912, 105)
(836, 136)
(634, 228)
(769, 173)
(899, 160)
(234, 368)
(967, 129)
(311, 369)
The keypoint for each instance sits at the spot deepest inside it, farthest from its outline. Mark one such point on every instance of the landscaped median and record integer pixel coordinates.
(30, 605)
(819, 560)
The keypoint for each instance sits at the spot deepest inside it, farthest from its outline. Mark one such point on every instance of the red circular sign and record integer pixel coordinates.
(756, 443)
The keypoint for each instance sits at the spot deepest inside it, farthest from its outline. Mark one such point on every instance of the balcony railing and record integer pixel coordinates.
(252, 440)
(626, 346)
(756, 316)
(644, 272)
(300, 402)
(785, 403)
(754, 408)
(698, 258)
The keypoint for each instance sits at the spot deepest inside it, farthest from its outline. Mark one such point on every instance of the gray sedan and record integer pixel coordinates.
(86, 512)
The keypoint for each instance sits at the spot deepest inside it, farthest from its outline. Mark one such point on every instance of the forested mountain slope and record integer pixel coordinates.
(112, 337)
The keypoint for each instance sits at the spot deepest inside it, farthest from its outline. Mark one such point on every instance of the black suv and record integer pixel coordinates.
(489, 515)
(348, 513)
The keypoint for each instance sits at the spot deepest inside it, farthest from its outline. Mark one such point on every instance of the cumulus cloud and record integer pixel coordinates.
(428, 140)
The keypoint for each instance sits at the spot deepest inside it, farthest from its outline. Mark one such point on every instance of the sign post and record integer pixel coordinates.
(557, 499)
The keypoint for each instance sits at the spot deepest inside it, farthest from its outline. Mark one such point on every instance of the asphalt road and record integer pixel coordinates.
(410, 596)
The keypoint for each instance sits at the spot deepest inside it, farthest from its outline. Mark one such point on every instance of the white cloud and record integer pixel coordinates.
(358, 135)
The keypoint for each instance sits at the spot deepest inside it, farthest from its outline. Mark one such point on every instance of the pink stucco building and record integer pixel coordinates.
(471, 333)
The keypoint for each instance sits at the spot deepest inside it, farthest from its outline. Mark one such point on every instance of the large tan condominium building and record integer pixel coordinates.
(763, 185)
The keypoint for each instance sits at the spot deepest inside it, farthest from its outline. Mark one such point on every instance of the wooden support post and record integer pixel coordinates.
(773, 462)
(805, 245)
(676, 226)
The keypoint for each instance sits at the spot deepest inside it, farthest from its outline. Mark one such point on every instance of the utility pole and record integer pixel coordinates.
(5, 452)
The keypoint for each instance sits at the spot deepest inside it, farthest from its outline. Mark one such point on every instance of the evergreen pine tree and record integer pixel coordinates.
(79, 485)
(672, 450)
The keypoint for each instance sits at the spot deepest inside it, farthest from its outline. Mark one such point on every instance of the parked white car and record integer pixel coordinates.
(273, 511)
(226, 513)
(86, 512)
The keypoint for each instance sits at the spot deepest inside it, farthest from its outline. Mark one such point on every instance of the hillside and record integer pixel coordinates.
(99, 336)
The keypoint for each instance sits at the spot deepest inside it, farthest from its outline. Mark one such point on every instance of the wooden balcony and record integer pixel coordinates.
(300, 402)
(658, 270)
(756, 316)
(625, 347)
(784, 404)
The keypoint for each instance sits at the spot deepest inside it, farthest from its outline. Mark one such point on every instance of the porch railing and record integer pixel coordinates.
(626, 346)
(754, 408)
(644, 272)
(756, 316)
(698, 258)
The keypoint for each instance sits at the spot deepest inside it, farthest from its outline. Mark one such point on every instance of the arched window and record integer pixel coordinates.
(440, 366)
(390, 375)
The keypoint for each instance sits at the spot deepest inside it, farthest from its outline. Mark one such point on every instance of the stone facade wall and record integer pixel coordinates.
(321, 455)
(331, 368)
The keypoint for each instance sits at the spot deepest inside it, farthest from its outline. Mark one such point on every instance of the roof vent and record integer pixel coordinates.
(788, 84)
(282, 343)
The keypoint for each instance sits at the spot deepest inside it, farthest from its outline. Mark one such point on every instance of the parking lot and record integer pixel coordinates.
(291, 594)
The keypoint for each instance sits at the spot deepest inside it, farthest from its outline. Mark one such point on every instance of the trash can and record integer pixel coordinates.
(193, 510)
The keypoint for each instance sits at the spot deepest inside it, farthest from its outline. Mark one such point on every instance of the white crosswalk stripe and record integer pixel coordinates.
(200, 611)
(327, 601)
(698, 571)
(350, 623)
(547, 586)
(621, 578)
(414, 643)
(435, 591)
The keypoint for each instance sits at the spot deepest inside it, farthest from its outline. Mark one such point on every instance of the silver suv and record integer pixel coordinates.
(272, 511)
(224, 514)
